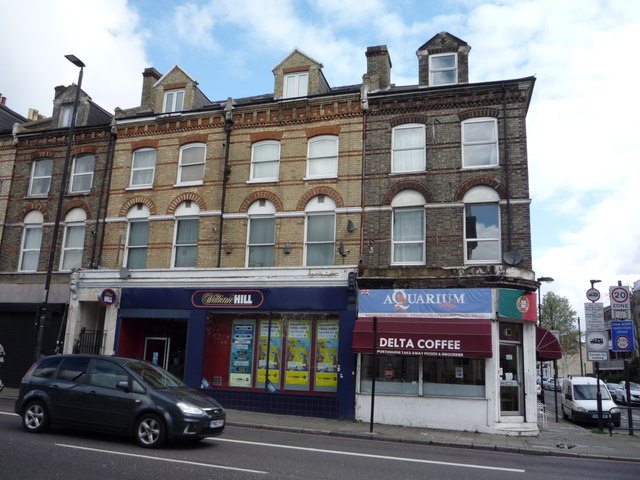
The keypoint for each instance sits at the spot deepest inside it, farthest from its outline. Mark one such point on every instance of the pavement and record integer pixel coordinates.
(559, 438)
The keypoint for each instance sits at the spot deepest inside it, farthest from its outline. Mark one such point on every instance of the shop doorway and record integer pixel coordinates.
(156, 351)
(511, 371)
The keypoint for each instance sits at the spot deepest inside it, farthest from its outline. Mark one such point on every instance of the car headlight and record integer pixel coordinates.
(615, 410)
(190, 409)
(580, 409)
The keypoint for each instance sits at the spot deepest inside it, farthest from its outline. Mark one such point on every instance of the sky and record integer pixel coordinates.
(584, 168)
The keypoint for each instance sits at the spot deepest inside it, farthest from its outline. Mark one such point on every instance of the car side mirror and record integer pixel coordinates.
(568, 396)
(123, 385)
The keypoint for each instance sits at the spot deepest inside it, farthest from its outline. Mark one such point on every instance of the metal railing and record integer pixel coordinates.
(89, 341)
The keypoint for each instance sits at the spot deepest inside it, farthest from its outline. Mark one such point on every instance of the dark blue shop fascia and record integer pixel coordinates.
(193, 304)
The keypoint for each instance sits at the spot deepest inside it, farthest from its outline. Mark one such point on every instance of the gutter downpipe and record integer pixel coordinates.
(105, 192)
(228, 128)
(364, 105)
(506, 166)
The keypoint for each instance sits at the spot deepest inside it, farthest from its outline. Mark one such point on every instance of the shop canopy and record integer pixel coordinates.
(547, 345)
(437, 337)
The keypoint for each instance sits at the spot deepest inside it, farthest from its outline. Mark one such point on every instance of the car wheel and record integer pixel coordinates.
(616, 423)
(150, 431)
(35, 417)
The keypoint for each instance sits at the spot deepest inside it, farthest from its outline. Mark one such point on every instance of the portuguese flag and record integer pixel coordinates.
(517, 304)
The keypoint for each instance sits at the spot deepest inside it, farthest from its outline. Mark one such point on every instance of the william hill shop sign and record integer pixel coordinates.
(439, 323)
(227, 298)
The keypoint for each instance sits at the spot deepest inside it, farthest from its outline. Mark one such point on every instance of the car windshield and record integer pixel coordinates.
(634, 386)
(154, 376)
(588, 392)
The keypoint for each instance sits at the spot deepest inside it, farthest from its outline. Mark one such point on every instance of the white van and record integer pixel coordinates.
(580, 405)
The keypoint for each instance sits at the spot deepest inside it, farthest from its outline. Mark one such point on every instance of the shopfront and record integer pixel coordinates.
(280, 350)
(452, 359)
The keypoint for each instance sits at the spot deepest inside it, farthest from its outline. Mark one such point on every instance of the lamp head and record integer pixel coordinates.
(75, 60)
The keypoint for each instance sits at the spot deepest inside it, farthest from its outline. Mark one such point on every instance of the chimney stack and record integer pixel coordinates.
(379, 67)
(149, 77)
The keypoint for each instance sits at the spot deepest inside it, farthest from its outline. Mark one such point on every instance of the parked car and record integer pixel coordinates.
(613, 387)
(579, 401)
(116, 394)
(621, 393)
(547, 383)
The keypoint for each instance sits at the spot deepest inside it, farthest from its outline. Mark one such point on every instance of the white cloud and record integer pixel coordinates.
(104, 34)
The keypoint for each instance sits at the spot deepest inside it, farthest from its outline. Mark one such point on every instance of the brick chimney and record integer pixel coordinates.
(379, 67)
(149, 77)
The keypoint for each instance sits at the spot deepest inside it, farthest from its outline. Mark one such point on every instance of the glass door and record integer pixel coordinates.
(510, 380)
(156, 351)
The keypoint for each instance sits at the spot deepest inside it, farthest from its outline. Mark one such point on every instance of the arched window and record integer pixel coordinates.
(261, 236)
(73, 242)
(481, 225)
(187, 228)
(191, 166)
(265, 161)
(409, 148)
(137, 236)
(31, 242)
(320, 232)
(322, 157)
(143, 167)
(408, 230)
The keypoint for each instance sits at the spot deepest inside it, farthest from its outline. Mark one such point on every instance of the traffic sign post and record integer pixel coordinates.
(593, 294)
(597, 346)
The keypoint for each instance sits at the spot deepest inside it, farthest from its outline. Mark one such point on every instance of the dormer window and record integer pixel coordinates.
(443, 69)
(173, 101)
(66, 111)
(296, 84)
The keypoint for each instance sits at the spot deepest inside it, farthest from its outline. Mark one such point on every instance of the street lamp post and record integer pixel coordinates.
(44, 307)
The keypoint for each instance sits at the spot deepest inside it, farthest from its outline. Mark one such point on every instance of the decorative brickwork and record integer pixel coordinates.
(480, 180)
(254, 196)
(398, 187)
(194, 197)
(323, 190)
(136, 200)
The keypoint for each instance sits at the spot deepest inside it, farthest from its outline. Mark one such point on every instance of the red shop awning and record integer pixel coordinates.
(547, 345)
(438, 337)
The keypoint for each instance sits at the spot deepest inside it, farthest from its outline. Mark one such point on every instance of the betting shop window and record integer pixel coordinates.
(302, 352)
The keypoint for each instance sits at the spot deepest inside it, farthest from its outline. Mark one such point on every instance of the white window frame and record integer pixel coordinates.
(64, 117)
(433, 71)
(35, 178)
(299, 86)
(258, 161)
(182, 166)
(333, 159)
(421, 147)
(187, 210)
(173, 100)
(408, 200)
(76, 218)
(466, 144)
(482, 196)
(76, 175)
(137, 214)
(260, 210)
(32, 221)
(135, 169)
(320, 205)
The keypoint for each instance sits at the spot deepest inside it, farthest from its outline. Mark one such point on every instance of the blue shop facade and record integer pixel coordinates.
(281, 349)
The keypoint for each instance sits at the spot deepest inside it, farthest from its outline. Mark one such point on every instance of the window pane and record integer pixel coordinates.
(323, 166)
(261, 230)
(407, 252)
(192, 155)
(265, 170)
(137, 258)
(454, 377)
(30, 260)
(477, 155)
(43, 168)
(40, 186)
(266, 152)
(479, 131)
(320, 254)
(443, 78)
(403, 379)
(138, 234)
(482, 221)
(186, 256)
(84, 164)
(75, 237)
(72, 259)
(323, 148)
(187, 232)
(320, 228)
(33, 238)
(192, 173)
(408, 138)
(443, 61)
(261, 256)
(408, 225)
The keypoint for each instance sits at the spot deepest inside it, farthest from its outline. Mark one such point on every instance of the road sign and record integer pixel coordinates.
(594, 316)
(621, 314)
(622, 336)
(597, 345)
(619, 297)
(593, 294)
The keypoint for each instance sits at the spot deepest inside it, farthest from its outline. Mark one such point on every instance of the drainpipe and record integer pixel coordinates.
(364, 105)
(228, 128)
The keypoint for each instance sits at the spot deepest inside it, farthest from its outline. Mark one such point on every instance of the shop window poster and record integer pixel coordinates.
(327, 355)
(298, 354)
(241, 365)
(275, 352)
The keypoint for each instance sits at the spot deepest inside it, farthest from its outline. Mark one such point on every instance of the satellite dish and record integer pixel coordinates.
(512, 258)
(124, 273)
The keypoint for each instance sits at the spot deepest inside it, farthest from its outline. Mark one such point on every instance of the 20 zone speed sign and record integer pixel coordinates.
(619, 297)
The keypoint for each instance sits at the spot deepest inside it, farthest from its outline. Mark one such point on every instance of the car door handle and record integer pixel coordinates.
(91, 392)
